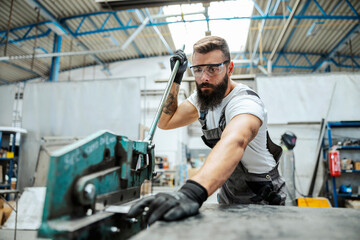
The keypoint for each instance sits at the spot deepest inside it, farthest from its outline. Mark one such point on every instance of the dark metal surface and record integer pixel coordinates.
(259, 222)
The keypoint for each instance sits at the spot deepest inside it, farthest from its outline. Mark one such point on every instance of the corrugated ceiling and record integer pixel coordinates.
(304, 44)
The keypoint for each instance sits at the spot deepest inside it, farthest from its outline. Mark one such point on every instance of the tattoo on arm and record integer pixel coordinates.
(171, 102)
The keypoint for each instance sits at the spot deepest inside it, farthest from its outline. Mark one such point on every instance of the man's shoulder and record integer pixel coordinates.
(242, 91)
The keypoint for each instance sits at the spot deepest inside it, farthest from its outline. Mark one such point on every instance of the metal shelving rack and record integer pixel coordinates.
(331, 125)
(10, 133)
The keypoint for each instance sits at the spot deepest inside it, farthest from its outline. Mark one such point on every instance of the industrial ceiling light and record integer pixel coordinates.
(131, 4)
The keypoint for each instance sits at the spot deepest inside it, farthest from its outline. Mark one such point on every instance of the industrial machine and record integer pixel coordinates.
(93, 176)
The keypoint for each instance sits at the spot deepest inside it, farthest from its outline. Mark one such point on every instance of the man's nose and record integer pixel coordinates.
(204, 76)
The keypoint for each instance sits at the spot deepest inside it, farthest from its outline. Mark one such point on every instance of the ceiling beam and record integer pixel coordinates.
(350, 35)
(302, 12)
(156, 29)
(286, 26)
(159, 23)
(46, 14)
(18, 66)
(267, 10)
(4, 81)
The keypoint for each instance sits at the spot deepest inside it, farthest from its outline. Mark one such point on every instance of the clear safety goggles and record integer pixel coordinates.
(210, 69)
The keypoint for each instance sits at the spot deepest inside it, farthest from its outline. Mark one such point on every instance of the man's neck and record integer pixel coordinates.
(231, 87)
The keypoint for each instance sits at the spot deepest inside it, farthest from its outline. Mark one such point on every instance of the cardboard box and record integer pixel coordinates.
(7, 209)
(346, 164)
(357, 165)
(1, 174)
(352, 203)
(145, 187)
(2, 217)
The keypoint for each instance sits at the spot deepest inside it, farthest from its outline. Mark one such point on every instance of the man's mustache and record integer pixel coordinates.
(208, 85)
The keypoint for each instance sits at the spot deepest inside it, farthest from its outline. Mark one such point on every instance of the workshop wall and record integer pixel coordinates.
(309, 97)
(143, 72)
(297, 103)
(303, 98)
(7, 97)
(76, 109)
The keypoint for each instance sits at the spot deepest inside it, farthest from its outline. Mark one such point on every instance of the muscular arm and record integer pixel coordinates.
(174, 116)
(227, 153)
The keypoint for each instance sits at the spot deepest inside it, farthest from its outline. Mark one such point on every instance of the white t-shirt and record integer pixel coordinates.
(256, 158)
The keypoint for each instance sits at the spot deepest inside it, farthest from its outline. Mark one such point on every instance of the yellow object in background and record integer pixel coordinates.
(9, 155)
(314, 202)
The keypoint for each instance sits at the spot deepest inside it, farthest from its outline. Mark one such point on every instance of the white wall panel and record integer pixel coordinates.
(307, 97)
(76, 109)
(7, 96)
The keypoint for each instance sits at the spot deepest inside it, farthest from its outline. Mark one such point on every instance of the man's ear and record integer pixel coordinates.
(231, 68)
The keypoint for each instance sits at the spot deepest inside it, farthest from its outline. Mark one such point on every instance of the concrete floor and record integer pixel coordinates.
(244, 222)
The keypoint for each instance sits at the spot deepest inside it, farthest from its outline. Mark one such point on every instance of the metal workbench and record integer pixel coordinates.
(259, 222)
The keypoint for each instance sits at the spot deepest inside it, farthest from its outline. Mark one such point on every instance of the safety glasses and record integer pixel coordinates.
(210, 69)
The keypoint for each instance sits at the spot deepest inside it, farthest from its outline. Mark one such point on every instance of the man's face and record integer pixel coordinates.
(210, 95)
(212, 84)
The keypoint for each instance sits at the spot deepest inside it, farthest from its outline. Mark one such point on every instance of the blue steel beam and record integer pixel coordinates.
(258, 8)
(335, 7)
(80, 24)
(55, 61)
(305, 56)
(229, 18)
(267, 10)
(302, 12)
(338, 46)
(127, 34)
(352, 8)
(129, 26)
(3, 81)
(21, 67)
(47, 14)
(344, 65)
(319, 7)
(158, 31)
(26, 36)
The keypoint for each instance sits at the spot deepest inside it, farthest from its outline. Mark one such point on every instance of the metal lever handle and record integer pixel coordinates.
(154, 124)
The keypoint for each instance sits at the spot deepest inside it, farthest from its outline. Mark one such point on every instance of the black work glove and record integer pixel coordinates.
(179, 55)
(171, 206)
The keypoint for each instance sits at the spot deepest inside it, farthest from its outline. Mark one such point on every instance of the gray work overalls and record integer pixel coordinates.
(243, 187)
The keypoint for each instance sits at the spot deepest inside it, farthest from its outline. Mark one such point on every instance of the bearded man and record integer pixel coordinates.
(243, 160)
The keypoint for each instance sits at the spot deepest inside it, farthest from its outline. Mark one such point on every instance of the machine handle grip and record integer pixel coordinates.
(154, 124)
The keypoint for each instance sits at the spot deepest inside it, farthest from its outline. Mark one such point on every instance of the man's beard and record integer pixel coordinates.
(210, 100)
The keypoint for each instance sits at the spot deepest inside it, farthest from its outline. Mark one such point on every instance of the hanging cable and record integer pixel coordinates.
(94, 71)
(339, 62)
(351, 55)
(206, 6)
(84, 63)
(71, 47)
(36, 34)
(8, 27)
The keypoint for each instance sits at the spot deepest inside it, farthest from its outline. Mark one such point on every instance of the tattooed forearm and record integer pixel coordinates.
(170, 105)
(171, 102)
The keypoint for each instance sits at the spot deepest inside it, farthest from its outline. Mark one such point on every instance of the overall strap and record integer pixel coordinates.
(222, 121)
(202, 118)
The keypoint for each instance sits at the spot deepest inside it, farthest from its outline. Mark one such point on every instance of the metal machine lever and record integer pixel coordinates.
(154, 124)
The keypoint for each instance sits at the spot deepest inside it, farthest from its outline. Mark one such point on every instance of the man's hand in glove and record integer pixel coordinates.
(181, 56)
(171, 206)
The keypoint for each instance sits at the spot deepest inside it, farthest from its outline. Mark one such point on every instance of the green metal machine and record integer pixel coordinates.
(96, 173)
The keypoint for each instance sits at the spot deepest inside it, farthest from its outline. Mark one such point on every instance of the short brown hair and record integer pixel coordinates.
(211, 43)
